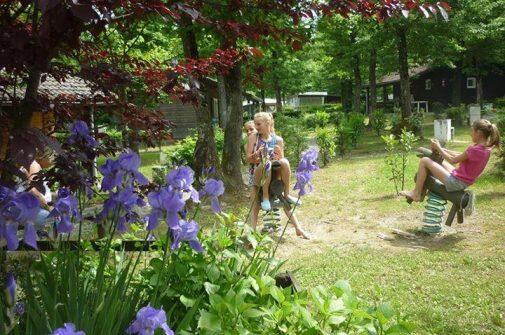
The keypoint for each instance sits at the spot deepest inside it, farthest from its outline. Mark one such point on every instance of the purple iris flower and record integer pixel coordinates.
(65, 207)
(182, 178)
(165, 202)
(19, 308)
(308, 161)
(68, 329)
(303, 181)
(6, 194)
(112, 175)
(122, 201)
(21, 210)
(308, 164)
(129, 162)
(186, 231)
(148, 320)
(213, 188)
(10, 288)
(79, 133)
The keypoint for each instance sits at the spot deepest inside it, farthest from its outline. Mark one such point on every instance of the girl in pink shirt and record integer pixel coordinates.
(472, 162)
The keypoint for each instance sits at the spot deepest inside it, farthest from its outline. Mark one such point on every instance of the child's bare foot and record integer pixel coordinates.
(301, 233)
(411, 195)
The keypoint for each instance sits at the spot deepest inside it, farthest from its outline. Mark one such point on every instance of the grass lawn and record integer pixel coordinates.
(453, 283)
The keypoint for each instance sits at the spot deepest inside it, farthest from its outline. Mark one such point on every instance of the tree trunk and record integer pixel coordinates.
(205, 151)
(405, 104)
(457, 77)
(372, 79)
(263, 104)
(480, 91)
(277, 86)
(357, 85)
(346, 90)
(231, 162)
(222, 103)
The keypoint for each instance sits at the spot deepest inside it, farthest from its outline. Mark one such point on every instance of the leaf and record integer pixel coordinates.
(296, 45)
(424, 11)
(253, 313)
(210, 288)
(387, 310)
(398, 329)
(277, 294)
(213, 272)
(186, 321)
(188, 302)
(209, 321)
(193, 13)
(443, 12)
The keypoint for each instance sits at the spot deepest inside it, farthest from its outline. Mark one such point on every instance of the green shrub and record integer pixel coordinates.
(397, 151)
(378, 121)
(309, 121)
(326, 142)
(356, 125)
(182, 153)
(333, 108)
(437, 108)
(288, 111)
(336, 118)
(295, 139)
(322, 119)
(342, 139)
(458, 114)
(414, 123)
(499, 103)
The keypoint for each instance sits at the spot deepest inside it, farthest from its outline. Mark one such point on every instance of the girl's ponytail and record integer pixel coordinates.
(494, 137)
(489, 131)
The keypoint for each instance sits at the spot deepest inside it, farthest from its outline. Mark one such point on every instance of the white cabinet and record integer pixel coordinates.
(443, 130)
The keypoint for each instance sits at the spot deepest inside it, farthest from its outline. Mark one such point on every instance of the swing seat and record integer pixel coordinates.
(459, 199)
(275, 190)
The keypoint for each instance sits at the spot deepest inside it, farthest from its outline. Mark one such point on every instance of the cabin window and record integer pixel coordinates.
(471, 82)
(427, 84)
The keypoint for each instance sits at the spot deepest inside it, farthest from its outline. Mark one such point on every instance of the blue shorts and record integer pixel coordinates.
(453, 184)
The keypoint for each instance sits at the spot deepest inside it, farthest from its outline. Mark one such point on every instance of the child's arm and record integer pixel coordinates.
(279, 149)
(452, 157)
(251, 155)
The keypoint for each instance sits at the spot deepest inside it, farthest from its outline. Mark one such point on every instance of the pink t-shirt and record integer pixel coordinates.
(471, 168)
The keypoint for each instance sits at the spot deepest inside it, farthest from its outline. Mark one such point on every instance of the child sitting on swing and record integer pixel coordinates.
(262, 140)
(472, 161)
(265, 142)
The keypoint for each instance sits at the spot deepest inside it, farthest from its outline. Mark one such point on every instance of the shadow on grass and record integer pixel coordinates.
(444, 242)
(381, 198)
(489, 196)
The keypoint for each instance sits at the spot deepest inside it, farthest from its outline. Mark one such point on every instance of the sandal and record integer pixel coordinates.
(265, 205)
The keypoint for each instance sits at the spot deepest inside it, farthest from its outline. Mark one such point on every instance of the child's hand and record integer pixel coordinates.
(435, 144)
(277, 154)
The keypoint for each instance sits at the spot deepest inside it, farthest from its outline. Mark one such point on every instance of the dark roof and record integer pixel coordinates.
(69, 86)
(395, 76)
(52, 88)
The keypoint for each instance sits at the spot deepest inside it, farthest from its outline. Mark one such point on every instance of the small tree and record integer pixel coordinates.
(342, 139)
(378, 121)
(356, 125)
(324, 138)
(397, 151)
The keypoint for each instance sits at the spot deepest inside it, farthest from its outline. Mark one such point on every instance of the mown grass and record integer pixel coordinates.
(453, 284)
